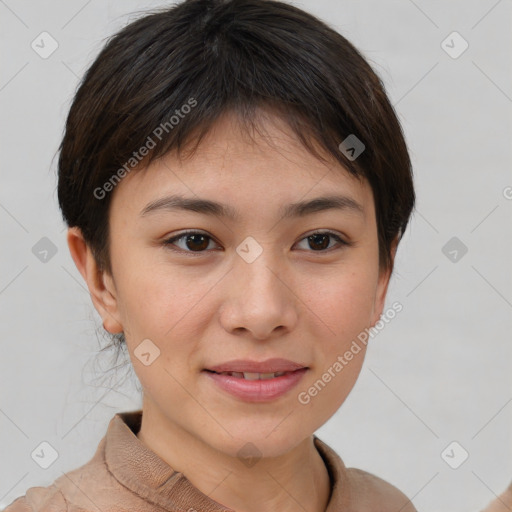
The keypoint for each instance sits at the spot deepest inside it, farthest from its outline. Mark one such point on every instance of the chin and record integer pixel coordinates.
(267, 439)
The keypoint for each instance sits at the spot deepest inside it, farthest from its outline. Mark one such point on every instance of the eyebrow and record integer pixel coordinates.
(208, 207)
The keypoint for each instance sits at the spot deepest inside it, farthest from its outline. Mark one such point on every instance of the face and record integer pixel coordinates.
(261, 285)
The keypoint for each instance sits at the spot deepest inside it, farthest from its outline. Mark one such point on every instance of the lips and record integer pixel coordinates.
(253, 375)
(256, 387)
(253, 370)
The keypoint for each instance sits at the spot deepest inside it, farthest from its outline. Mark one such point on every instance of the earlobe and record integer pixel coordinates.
(100, 284)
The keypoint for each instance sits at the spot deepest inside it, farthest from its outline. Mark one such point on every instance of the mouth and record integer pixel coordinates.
(256, 370)
(256, 386)
(253, 375)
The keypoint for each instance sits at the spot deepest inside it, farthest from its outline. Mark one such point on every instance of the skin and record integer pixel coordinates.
(205, 308)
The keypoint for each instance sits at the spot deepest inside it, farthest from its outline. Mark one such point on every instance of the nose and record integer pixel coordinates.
(258, 299)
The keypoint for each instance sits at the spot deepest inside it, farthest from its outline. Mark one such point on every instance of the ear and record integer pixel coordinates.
(382, 285)
(100, 283)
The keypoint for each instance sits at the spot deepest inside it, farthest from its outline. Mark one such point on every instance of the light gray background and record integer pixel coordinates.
(439, 372)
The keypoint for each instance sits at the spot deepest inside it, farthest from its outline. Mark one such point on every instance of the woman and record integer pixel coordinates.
(235, 182)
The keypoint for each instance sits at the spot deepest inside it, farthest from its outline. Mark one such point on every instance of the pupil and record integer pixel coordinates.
(195, 239)
(315, 240)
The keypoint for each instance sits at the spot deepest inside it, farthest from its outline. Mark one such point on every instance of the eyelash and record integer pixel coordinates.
(170, 241)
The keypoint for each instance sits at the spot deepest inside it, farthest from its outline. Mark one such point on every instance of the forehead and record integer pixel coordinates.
(268, 166)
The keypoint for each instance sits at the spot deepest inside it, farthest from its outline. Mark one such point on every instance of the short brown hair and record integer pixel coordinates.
(227, 55)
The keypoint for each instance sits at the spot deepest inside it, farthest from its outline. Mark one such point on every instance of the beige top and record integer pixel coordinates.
(125, 475)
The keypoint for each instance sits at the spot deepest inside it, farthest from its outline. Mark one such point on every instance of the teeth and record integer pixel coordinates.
(253, 376)
(267, 375)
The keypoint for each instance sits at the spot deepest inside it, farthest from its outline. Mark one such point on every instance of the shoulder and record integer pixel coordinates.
(74, 490)
(359, 491)
(40, 499)
(89, 487)
(369, 491)
(502, 503)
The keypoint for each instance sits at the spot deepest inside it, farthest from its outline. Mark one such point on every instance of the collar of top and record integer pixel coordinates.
(142, 471)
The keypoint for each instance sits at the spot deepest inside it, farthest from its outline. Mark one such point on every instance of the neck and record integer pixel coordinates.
(295, 480)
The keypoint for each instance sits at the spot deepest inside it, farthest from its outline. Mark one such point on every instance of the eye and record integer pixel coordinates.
(193, 241)
(196, 241)
(319, 241)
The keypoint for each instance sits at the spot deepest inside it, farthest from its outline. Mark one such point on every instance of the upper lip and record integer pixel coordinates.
(268, 366)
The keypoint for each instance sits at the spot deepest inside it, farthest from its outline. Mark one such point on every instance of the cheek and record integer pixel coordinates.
(343, 308)
(156, 306)
(344, 303)
(163, 305)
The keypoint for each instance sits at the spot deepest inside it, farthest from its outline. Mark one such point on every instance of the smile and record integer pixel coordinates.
(253, 376)
(255, 387)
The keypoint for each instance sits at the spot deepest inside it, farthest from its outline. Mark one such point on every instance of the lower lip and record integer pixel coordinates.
(258, 390)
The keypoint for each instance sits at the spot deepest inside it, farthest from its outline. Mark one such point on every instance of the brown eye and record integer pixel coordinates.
(320, 241)
(197, 242)
(192, 241)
